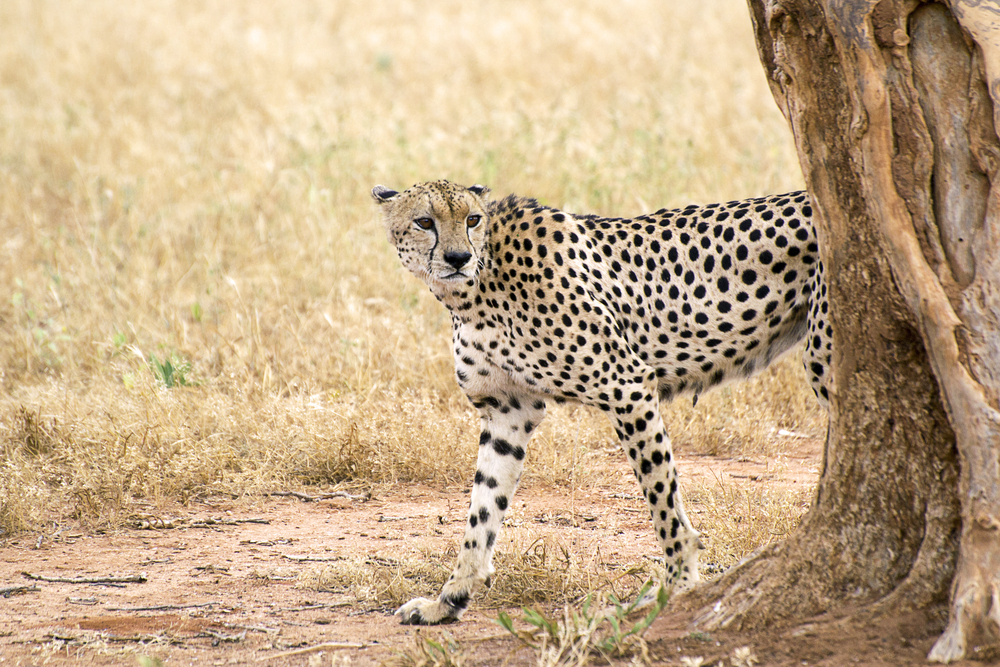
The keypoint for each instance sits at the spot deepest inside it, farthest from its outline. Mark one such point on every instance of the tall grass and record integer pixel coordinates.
(186, 183)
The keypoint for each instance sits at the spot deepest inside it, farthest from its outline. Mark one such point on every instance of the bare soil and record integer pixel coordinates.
(227, 593)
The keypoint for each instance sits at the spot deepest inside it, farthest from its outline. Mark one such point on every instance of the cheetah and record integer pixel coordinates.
(615, 313)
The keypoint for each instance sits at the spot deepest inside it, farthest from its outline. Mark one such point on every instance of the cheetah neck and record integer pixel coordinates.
(457, 296)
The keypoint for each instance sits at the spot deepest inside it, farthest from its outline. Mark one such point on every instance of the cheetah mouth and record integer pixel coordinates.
(456, 275)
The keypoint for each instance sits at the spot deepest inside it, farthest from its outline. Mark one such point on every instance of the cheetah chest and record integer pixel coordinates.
(486, 363)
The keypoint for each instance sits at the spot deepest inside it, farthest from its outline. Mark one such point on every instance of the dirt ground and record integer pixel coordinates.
(225, 592)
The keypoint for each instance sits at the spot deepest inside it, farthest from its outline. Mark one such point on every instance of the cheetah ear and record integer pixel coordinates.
(479, 190)
(382, 194)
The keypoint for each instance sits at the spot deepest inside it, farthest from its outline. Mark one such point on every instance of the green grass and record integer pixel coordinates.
(601, 625)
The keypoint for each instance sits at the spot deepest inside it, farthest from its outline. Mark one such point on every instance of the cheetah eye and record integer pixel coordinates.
(473, 220)
(424, 223)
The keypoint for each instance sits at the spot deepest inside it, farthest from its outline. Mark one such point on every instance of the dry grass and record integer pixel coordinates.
(532, 567)
(740, 420)
(379, 582)
(189, 182)
(740, 518)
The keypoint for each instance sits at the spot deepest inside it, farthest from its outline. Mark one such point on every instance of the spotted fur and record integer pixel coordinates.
(616, 313)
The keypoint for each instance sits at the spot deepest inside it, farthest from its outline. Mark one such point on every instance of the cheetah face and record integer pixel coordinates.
(439, 230)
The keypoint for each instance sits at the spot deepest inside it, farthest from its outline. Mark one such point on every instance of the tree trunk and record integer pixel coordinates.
(895, 106)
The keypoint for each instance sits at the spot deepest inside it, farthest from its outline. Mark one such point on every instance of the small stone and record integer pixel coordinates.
(899, 37)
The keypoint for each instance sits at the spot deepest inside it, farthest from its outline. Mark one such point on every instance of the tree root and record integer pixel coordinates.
(975, 608)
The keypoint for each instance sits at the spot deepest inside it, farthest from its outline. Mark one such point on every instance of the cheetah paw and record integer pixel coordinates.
(421, 611)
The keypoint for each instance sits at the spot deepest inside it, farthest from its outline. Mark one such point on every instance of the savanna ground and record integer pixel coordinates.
(199, 309)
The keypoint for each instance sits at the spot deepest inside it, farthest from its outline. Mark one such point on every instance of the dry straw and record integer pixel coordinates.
(198, 298)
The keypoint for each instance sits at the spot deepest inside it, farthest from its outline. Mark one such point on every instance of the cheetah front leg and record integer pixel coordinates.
(644, 438)
(508, 422)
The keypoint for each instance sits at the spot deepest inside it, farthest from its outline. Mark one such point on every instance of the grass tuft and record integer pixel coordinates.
(737, 519)
(31, 433)
(378, 582)
(593, 629)
(171, 372)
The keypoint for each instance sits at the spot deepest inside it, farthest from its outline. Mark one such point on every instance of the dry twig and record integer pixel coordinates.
(16, 590)
(310, 607)
(309, 649)
(137, 639)
(164, 607)
(127, 579)
(312, 559)
(253, 628)
(218, 637)
(154, 523)
(365, 497)
(306, 498)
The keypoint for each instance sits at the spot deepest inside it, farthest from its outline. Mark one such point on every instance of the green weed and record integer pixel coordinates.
(171, 372)
(593, 630)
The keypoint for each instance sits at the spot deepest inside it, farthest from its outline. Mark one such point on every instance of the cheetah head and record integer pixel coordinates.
(439, 230)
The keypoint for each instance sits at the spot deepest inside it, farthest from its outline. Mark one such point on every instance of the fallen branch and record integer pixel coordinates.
(17, 590)
(201, 523)
(306, 498)
(365, 497)
(309, 649)
(127, 579)
(310, 607)
(312, 559)
(218, 637)
(101, 636)
(143, 639)
(254, 628)
(85, 601)
(155, 523)
(164, 607)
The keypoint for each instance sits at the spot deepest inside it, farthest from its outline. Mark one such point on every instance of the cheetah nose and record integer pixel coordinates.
(457, 259)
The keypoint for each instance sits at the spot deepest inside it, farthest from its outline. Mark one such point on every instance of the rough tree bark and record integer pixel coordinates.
(895, 109)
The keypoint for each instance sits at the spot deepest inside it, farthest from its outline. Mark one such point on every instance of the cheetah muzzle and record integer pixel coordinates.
(615, 313)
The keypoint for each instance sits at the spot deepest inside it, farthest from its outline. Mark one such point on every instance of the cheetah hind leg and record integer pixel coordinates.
(686, 564)
(643, 436)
